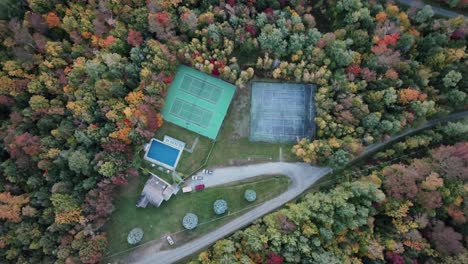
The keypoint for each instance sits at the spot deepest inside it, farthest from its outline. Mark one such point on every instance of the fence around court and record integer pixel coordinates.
(197, 101)
(281, 112)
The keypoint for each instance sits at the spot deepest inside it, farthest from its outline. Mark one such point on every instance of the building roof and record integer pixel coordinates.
(153, 191)
(197, 101)
(156, 191)
(142, 201)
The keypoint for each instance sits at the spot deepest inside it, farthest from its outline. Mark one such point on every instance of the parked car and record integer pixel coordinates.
(200, 187)
(205, 171)
(197, 178)
(170, 240)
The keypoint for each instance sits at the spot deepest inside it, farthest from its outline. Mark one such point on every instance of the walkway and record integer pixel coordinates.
(437, 10)
(302, 177)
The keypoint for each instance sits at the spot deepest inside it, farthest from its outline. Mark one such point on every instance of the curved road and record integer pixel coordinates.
(410, 131)
(228, 175)
(302, 177)
(437, 10)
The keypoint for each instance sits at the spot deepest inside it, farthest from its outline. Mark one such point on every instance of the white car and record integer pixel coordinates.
(170, 240)
(197, 178)
(205, 171)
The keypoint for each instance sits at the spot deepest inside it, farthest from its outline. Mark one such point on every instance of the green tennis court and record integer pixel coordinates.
(197, 101)
(191, 112)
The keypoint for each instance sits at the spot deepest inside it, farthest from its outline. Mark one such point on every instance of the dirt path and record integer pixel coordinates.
(241, 107)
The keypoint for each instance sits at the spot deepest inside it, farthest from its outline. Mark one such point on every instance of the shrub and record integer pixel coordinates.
(220, 207)
(135, 235)
(190, 221)
(250, 195)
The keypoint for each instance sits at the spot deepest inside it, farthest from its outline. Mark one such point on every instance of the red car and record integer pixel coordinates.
(200, 187)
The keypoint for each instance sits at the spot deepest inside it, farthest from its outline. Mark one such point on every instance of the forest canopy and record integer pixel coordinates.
(82, 84)
(412, 212)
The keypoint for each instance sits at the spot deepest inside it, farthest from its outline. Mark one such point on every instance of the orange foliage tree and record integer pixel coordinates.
(122, 134)
(10, 206)
(381, 17)
(409, 94)
(52, 20)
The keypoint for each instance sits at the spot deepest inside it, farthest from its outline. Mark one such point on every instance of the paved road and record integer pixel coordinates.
(302, 177)
(437, 10)
(227, 175)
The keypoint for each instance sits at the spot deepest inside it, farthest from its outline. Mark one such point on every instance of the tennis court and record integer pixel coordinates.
(191, 113)
(201, 89)
(198, 102)
(281, 112)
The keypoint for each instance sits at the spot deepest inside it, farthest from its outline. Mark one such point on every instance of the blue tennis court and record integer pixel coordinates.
(163, 154)
(281, 112)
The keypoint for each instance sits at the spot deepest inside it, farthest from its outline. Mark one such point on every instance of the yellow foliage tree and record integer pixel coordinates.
(68, 217)
(134, 97)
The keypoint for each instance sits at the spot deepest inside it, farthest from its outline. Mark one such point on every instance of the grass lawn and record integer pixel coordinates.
(233, 149)
(146, 167)
(156, 222)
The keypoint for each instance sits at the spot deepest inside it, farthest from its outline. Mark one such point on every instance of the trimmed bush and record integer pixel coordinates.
(134, 236)
(190, 221)
(220, 207)
(250, 195)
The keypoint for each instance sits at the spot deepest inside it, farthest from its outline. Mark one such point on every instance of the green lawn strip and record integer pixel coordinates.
(156, 222)
(229, 148)
(146, 168)
(232, 152)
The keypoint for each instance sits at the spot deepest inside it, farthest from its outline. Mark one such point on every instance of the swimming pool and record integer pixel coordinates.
(163, 154)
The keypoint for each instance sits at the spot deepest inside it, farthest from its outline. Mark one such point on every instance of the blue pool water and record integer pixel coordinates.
(163, 153)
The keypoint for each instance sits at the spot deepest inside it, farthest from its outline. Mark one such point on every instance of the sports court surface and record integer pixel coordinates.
(281, 112)
(198, 101)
